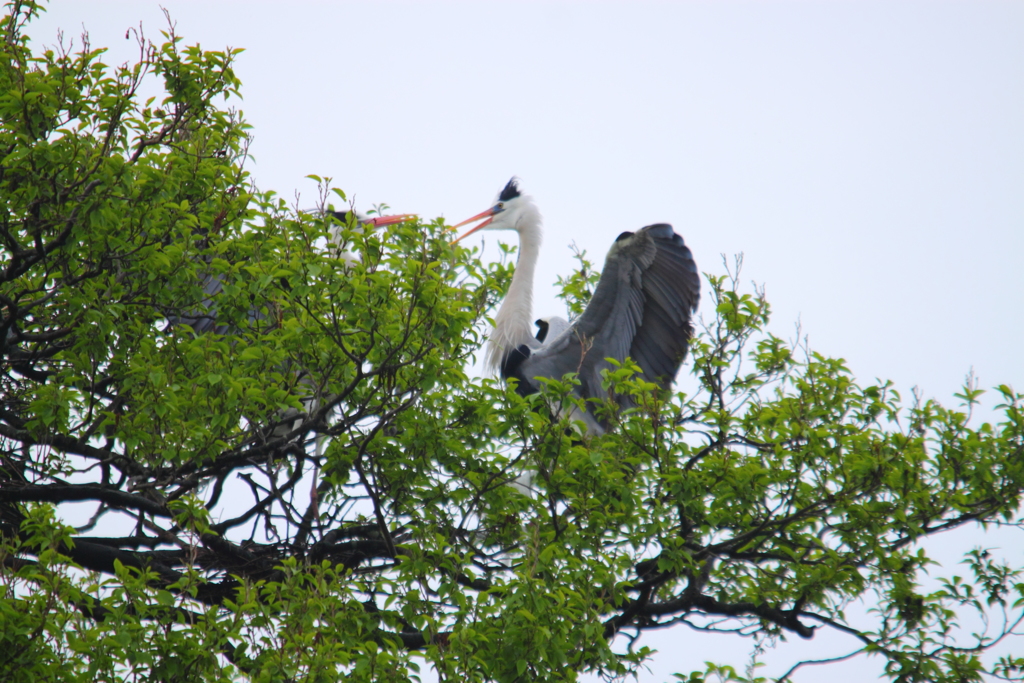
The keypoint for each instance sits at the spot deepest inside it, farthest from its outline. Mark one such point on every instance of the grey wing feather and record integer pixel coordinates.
(671, 287)
(204, 320)
(642, 308)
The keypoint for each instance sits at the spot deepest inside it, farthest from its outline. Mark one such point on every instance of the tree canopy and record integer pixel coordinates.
(324, 489)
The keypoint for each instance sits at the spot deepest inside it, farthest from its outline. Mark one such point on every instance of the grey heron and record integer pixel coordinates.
(204, 321)
(642, 307)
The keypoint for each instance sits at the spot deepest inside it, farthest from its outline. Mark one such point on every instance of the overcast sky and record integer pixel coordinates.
(866, 158)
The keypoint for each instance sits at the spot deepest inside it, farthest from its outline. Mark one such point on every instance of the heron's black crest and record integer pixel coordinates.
(511, 190)
(542, 329)
(623, 236)
(510, 367)
(341, 216)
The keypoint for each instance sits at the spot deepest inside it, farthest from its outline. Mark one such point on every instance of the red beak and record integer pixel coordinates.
(488, 214)
(381, 221)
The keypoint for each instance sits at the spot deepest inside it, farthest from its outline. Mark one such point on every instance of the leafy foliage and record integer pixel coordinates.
(319, 488)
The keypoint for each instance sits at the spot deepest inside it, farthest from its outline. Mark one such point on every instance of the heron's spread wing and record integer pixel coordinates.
(648, 291)
(671, 289)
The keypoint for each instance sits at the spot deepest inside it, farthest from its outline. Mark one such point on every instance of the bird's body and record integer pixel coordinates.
(641, 309)
(204, 320)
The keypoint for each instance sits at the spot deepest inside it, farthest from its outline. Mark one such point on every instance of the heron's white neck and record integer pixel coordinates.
(513, 324)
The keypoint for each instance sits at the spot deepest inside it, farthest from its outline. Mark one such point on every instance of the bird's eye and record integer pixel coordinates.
(501, 205)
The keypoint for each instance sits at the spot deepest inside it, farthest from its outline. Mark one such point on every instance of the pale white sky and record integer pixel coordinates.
(866, 157)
